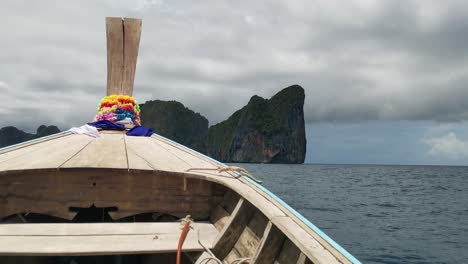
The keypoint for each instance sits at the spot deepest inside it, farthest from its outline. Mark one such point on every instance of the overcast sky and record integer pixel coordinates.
(379, 75)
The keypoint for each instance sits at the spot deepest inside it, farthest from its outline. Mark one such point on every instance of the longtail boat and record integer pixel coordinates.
(113, 198)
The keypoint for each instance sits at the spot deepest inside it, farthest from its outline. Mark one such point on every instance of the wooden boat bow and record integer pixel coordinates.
(150, 182)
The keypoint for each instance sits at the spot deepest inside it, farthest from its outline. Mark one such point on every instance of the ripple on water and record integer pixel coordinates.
(387, 205)
(380, 214)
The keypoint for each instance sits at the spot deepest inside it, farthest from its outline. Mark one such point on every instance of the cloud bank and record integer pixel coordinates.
(358, 60)
(448, 146)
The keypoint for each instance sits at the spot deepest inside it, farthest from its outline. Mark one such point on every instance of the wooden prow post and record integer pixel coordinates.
(123, 40)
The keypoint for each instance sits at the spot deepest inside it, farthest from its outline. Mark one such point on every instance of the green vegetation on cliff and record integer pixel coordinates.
(173, 120)
(263, 131)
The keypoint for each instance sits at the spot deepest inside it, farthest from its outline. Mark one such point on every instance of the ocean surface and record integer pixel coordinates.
(380, 214)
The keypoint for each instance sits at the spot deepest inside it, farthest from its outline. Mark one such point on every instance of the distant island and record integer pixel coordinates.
(11, 135)
(264, 131)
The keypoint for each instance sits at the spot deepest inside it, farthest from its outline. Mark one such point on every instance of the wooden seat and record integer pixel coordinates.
(101, 238)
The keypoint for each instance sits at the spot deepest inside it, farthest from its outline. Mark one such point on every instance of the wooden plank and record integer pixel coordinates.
(303, 259)
(132, 33)
(100, 239)
(233, 229)
(115, 54)
(219, 217)
(107, 151)
(49, 154)
(289, 253)
(304, 241)
(30, 143)
(248, 242)
(154, 155)
(88, 229)
(52, 193)
(136, 161)
(191, 158)
(220, 214)
(6, 157)
(232, 257)
(270, 245)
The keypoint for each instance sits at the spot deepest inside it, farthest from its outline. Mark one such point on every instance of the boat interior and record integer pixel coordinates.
(113, 216)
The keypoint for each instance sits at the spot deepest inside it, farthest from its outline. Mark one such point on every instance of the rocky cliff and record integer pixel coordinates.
(173, 120)
(11, 135)
(265, 130)
(268, 131)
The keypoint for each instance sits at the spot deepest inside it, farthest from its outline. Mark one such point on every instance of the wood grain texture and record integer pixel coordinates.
(250, 238)
(53, 193)
(145, 152)
(289, 253)
(100, 239)
(49, 154)
(123, 41)
(115, 54)
(270, 245)
(221, 213)
(219, 217)
(303, 259)
(305, 242)
(107, 151)
(132, 33)
(231, 232)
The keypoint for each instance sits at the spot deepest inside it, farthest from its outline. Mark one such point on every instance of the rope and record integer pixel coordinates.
(186, 223)
(221, 169)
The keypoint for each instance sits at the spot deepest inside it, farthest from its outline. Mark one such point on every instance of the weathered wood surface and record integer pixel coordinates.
(52, 193)
(231, 232)
(145, 152)
(220, 213)
(106, 151)
(289, 253)
(49, 154)
(219, 217)
(123, 40)
(250, 238)
(115, 52)
(33, 142)
(270, 245)
(100, 239)
(305, 242)
(132, 33)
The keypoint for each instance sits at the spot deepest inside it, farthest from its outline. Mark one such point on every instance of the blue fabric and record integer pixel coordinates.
(107, 125)
(140, 131)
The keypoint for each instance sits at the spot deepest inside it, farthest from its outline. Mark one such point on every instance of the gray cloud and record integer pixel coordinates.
(357, 60)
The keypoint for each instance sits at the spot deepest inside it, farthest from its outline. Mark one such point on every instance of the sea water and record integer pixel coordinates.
(380, 214)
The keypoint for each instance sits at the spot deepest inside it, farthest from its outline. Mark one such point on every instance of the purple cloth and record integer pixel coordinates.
(140, 131)
(107, 125)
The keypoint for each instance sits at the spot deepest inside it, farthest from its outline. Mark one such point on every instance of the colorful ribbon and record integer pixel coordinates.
(118, 107)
